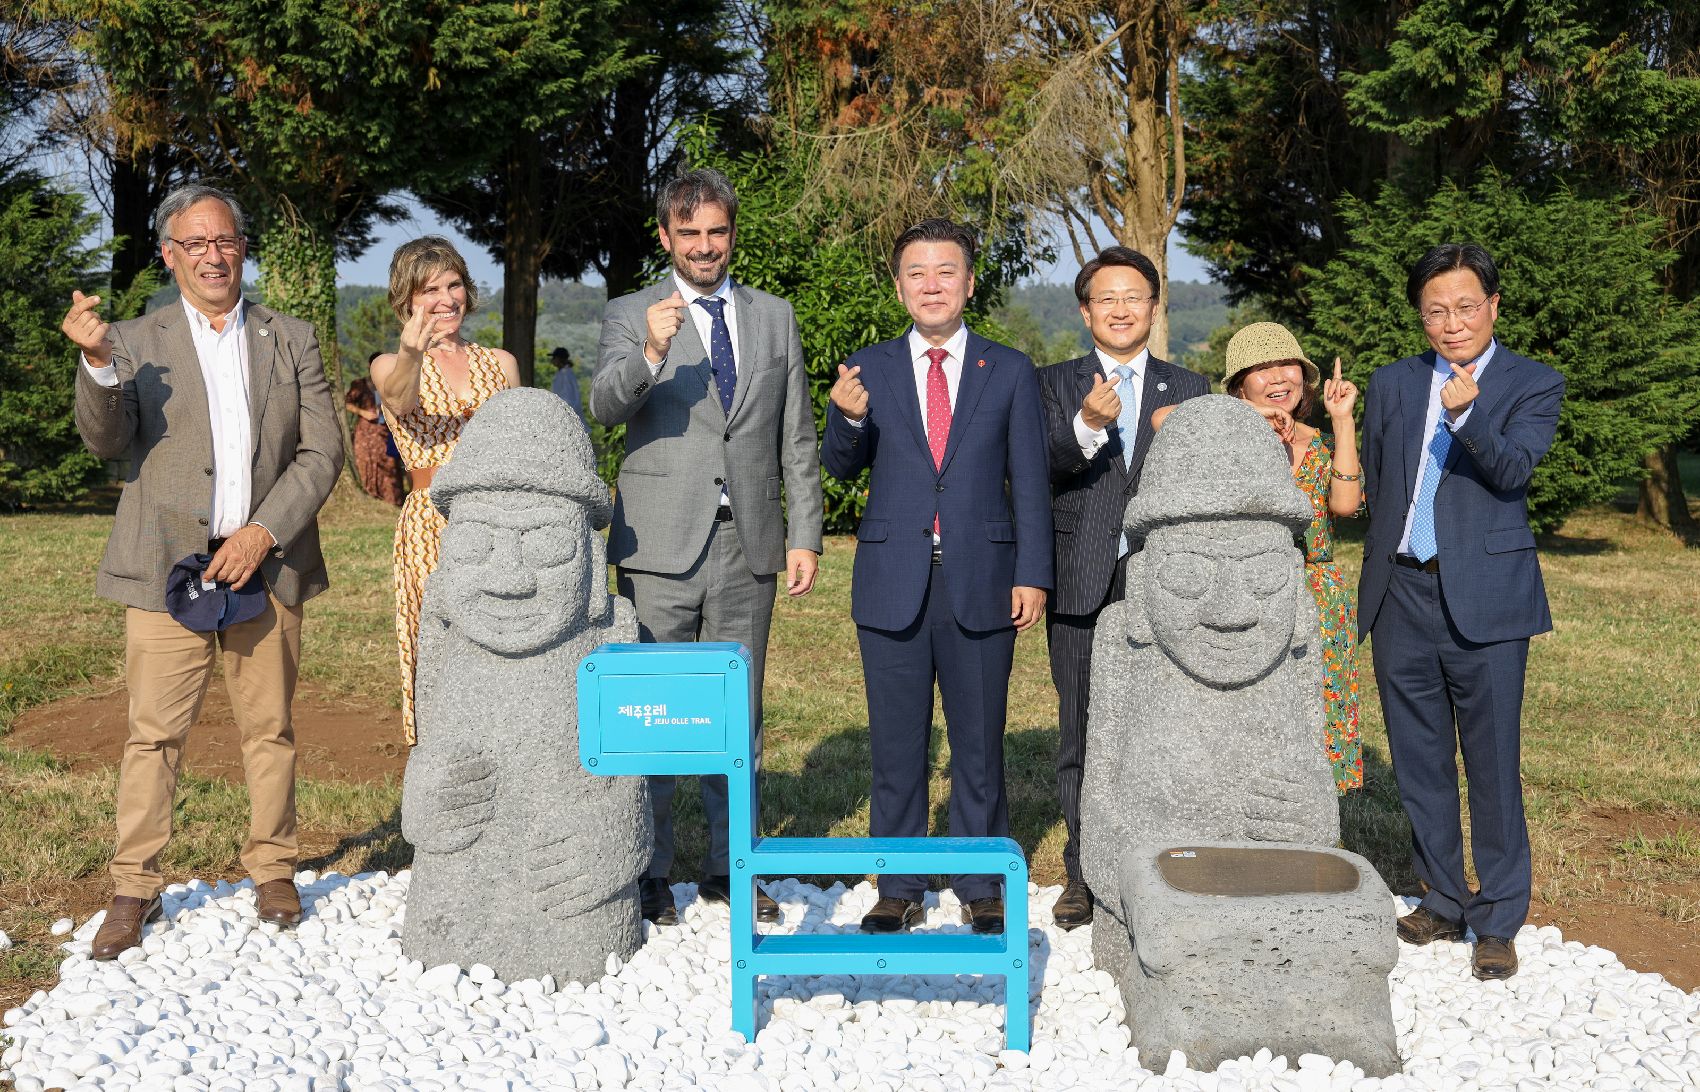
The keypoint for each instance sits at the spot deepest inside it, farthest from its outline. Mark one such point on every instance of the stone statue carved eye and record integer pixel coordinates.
(1265, 574)
(543, 547)
(467, 543)
(1186, 575)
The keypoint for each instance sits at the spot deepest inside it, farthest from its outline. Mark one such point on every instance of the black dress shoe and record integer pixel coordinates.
(1423, 926)
(719, 889)
(891, 914)
(1495, 958)
(1074, 906)
(656, 897)
(985, 915)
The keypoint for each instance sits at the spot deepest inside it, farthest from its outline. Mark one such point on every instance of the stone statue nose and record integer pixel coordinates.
(1229, 608)
(505, 573)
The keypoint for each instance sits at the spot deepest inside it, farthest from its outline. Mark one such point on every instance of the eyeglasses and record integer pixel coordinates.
(227, 244)
(1466, 312)
(1107, 302)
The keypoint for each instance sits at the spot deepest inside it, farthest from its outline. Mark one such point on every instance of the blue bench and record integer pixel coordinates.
(685, 709)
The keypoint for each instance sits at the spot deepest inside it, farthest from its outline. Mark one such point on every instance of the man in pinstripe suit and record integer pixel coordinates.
(1098, 422)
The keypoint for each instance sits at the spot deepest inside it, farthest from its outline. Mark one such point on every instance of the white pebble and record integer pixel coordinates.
(61, 927)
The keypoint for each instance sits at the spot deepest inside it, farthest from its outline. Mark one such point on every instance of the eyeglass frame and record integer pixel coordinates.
(1436, 315)
(1111, 301)
(238, 244)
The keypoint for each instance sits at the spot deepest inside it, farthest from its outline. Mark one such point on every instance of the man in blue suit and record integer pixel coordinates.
(953, 554)
(1452, 592)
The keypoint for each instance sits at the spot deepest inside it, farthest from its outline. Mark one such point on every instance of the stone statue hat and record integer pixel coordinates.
(1215, 458)
(1262, 343)
(528, 440)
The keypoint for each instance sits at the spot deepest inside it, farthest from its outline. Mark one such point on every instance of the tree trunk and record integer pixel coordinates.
(630, 242)
(298, 277)
(523, 249)
(132, 214)
(1662, 498)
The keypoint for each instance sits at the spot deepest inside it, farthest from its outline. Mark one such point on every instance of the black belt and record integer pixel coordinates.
(723, 514)
(1432, 565)
(213, 544)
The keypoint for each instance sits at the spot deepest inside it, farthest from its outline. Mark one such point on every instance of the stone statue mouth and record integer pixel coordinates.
(511, 613)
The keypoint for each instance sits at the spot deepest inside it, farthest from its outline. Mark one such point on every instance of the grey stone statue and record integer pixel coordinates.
(523, 861)
(1207, 780)
(1206, 712)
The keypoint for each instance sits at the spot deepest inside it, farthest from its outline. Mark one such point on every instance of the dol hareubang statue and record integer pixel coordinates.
(523, 860)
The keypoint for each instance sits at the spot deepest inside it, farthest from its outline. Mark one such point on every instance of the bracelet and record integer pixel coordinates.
(1339, 477)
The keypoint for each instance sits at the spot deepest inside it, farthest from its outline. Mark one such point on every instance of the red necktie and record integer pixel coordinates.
(938, 412)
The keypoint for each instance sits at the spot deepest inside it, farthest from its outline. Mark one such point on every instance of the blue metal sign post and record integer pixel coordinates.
(685, 709)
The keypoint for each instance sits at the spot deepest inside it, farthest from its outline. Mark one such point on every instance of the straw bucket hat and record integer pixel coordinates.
(1262, 342)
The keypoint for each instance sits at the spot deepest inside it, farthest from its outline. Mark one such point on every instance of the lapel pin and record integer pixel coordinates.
(981, 363)
(265, 332)
(1162, 386)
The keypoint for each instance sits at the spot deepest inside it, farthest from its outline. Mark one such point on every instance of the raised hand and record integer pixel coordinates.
(1101, 405)
(664, 318)
(1459, 391)
(1279, 420)
(419, 336)
(848, 394)
(1339, 395)
(87, 330)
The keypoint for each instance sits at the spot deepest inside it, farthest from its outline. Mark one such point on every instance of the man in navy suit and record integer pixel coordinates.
(953, 554)
(1098, 419)
(1452, 592)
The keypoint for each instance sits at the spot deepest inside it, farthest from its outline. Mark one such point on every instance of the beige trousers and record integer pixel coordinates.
(168, 669)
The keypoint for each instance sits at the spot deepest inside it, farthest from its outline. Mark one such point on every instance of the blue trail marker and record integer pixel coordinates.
(685, 709)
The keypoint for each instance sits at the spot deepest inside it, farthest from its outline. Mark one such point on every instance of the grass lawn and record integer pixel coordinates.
(1611, 728)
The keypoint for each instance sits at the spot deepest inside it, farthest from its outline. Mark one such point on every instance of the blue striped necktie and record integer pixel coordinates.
(1423, 543)
(1127, 426)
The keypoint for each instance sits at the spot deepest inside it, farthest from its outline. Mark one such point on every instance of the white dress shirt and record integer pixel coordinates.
(223, 357)
(1442, 372)
(1090, 440)
(954, 347)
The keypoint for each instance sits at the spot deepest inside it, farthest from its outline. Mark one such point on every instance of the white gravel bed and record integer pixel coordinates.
(215, 1001)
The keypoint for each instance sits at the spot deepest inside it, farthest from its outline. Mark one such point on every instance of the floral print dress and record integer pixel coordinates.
(1337, 610)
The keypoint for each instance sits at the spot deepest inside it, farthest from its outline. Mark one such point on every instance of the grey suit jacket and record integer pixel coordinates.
(681, 446)
(157, 417)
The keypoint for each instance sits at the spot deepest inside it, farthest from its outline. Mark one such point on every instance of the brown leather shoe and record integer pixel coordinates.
(719, 889)
(279, 902)
(891, 914)
(1074, 906)
(985, 915)
(1424, 926)
(121, 929)
(1495, 958)
(655, 898)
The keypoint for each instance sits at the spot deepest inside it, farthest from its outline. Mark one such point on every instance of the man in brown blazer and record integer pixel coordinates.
(222, 409)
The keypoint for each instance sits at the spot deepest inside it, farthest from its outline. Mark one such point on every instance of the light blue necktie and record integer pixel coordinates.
(1127, 425)
(1423, 544)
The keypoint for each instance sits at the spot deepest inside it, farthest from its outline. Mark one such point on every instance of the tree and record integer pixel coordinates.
(42, 458)
(1629, 351)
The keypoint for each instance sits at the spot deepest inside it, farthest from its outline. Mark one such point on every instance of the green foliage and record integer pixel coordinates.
(1579, 291)
(365, 325)
(42, 458)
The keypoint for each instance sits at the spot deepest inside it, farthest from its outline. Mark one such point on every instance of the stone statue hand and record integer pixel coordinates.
(580, 867)
(450, 797)
(1273, 809)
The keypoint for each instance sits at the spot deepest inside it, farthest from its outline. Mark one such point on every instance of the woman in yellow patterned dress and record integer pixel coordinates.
(429, 388)
(1267, 368)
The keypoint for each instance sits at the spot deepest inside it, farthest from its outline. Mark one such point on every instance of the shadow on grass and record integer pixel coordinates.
(1575, 546)
(380, 848)
(1373, 824)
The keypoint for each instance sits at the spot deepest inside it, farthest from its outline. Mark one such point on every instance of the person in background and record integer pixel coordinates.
(379, 467)
(430, 387)
(565, 383)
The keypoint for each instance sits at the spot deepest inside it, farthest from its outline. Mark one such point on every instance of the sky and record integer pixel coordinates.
(373, 266)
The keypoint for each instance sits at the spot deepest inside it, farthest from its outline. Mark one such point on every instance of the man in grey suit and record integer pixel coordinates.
(707, 375)
(222, 409)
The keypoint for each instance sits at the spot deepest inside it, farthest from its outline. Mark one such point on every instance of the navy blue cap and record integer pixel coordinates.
(207, 610)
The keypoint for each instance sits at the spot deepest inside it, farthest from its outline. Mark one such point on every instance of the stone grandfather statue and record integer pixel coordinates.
(523, 861)
(1206, 708)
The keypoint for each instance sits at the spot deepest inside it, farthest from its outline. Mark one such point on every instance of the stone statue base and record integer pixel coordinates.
(1228, 947)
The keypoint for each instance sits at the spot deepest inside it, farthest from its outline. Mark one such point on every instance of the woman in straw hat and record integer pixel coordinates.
(1267, 368)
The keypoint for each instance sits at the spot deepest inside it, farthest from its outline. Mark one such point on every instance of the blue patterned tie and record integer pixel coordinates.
(1423, 544)
(720, 359)
(1127, 426)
